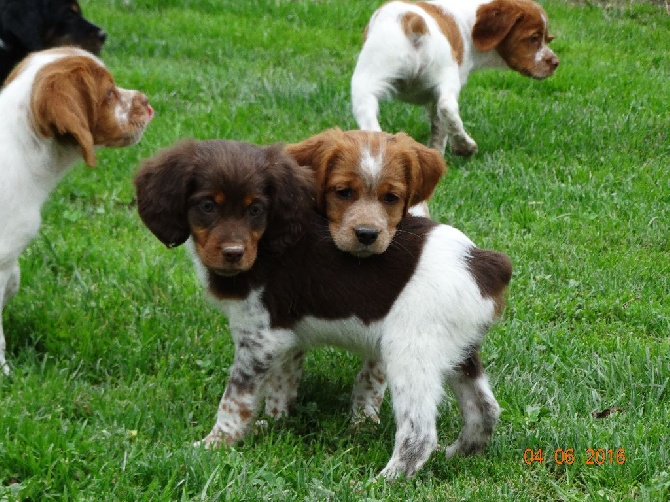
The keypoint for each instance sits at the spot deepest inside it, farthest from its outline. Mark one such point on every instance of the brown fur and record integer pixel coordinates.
(448, 27)
(516, 29)
(74, 99)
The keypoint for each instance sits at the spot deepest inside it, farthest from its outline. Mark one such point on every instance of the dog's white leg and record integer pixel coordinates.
(479, 408)
(416, 391)
(365, 105)
(446, 123)
(257, 354)
(281, 389)
(367, 89)
(10, 279)
(368, 393)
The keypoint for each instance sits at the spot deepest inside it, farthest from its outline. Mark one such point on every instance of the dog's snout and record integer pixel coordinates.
(553, 62)
(232, 252)
(366, 235)
(102, 35)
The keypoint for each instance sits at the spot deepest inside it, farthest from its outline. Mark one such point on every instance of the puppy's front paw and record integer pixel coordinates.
(213, 440)
(395, 470)
(365, 414)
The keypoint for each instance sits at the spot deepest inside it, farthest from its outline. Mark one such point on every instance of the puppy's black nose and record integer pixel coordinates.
(233, 252)
(102, 35)
(366, 235)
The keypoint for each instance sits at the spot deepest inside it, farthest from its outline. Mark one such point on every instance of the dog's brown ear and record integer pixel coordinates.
(162, 186)
(291, 191)
(318, 152)
(63, 104)
(494, 21)
(426, 168)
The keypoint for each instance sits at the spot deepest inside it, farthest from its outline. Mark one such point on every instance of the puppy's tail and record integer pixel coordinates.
(414, 27)
(493, 272)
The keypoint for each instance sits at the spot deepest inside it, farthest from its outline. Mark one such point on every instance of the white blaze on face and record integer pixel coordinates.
(371, 165)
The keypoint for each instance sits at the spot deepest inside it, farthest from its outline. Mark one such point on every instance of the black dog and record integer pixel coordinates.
(32, 25)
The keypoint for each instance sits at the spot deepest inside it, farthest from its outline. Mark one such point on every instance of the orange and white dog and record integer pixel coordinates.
(55, 108)
(423, 53)
(367, 182)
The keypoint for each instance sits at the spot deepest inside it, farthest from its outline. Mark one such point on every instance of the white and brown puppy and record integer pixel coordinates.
(419, 309)
(55, 108)
(423, 53)
(367, 182)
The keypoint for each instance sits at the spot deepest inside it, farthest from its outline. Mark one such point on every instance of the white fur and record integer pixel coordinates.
(30, 168)
(438, 317)
(371, 164)
(421, 70)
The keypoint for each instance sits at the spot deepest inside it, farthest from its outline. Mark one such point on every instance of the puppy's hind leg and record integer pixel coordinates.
(446, 124)
(478, 405)
(10, 279)
(368, 392)
(365, 106)
(281, 388)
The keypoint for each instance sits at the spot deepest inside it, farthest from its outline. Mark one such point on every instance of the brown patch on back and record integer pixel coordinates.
(448, 27)
(492, 272)
(413, 25)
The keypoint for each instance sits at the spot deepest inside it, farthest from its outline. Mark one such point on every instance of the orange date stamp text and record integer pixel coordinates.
(567, 456)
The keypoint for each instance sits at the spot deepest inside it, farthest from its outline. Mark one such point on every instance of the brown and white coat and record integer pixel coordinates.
(423, 53)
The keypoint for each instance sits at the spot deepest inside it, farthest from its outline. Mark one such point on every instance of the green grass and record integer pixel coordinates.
(119, 363)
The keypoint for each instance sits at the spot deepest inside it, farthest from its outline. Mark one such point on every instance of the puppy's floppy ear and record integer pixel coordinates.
(426, 167)
(162, 187)
(494, 22)
(291, 191)
(64, 103)
(318, 153)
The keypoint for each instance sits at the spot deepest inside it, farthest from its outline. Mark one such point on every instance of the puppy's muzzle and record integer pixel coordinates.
(366, 235)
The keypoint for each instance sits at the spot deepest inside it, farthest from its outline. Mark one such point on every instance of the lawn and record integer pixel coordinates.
(119, 363)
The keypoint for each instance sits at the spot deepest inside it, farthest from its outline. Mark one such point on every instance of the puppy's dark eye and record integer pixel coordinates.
(255, 209)
(391, 198)
(345, 193)
(535, 39)
(207, 206)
